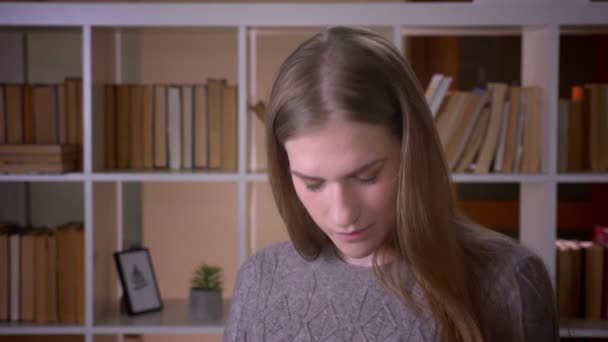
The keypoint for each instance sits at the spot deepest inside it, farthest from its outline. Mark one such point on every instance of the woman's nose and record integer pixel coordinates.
(344, 204)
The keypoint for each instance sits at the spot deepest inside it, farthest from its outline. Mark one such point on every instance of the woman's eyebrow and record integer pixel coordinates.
(363, 168)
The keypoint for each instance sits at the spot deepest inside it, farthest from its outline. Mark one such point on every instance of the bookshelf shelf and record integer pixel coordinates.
(582, 178)
(101, 51)
(163, 176)
(37, 329)
(584, 328)
(173, 319)
(68, 177)
(498, 178)
(475, 14)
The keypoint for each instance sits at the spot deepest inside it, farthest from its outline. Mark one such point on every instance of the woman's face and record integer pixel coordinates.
(346, 175)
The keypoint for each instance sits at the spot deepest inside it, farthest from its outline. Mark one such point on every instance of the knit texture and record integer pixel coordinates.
(279, 296)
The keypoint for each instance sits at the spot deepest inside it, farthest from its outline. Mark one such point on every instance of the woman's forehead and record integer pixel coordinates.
(338, 148)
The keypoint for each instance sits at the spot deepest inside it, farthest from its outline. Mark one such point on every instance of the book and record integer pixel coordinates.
(594, 259)
(2, 116)
(13, 102)
(41, 276)
(62, 115)
(215, 90)
(15, 275)
(174, 116)
(532, 141)
(187, 129)
(450, 116)
(440, 95)
(160, 126)
(46, 149)
(578, 130)
(73, 110)
(229, 143)
(110, 128)
(70, 272)
(502, 140)
(201, 118)
(148, 126)
(123, 126)
(513, 122)
(29, 121)
(136, 149)
(471, 150)
(45, 114)
(465, 125)
(432, 87)
(28, 275)
(5, 271)
(564, 282)
(487, 152)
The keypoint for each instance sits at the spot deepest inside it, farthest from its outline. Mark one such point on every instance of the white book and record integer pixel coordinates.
(439, 95)
(15, 286)
(187, 127)
(520, 133)
(431, 89)
(503, 138)
(174, 114)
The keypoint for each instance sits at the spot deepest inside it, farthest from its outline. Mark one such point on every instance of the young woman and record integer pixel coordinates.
(378, 251)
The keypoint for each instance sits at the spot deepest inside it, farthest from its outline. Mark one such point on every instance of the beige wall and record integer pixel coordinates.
(12, 57)
(188, 55)
(186, 224)
(189, 223)
(266, 225)
(105, 279)
(53, 56)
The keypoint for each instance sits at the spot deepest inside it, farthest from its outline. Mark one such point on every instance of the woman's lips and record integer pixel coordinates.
(355, 235)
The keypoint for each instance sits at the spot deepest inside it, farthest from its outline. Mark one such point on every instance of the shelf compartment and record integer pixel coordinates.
(41, 84)
(183, 224)
(583, 85)
(165, 98)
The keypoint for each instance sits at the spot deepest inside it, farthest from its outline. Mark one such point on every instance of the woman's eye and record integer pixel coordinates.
(314, 186)
(367, 179)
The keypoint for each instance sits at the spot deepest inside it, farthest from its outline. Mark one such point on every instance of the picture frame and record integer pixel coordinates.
(138, 281)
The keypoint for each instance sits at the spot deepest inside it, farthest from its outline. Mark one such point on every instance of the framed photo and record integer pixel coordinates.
(138, 281)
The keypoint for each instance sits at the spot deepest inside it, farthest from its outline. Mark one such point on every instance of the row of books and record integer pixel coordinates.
(177, 127)
(41, 114)
(38, 158)
(582, 276)
(583, 129)
(496, 129)
(42, 274)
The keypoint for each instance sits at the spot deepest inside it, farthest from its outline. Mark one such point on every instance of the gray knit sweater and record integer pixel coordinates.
(279, 296)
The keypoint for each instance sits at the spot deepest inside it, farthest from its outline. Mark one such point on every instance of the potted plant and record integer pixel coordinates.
(206, 293)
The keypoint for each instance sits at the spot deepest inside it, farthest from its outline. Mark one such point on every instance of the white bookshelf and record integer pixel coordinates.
(539, 23)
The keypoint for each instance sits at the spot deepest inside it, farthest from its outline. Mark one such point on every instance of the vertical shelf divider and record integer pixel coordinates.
(87, 158)
(538, 202)
(242, 139)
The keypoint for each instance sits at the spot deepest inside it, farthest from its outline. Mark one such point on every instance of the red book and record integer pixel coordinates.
(600, 236)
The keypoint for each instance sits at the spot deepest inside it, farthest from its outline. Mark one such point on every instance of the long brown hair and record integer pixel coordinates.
(357, 75)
